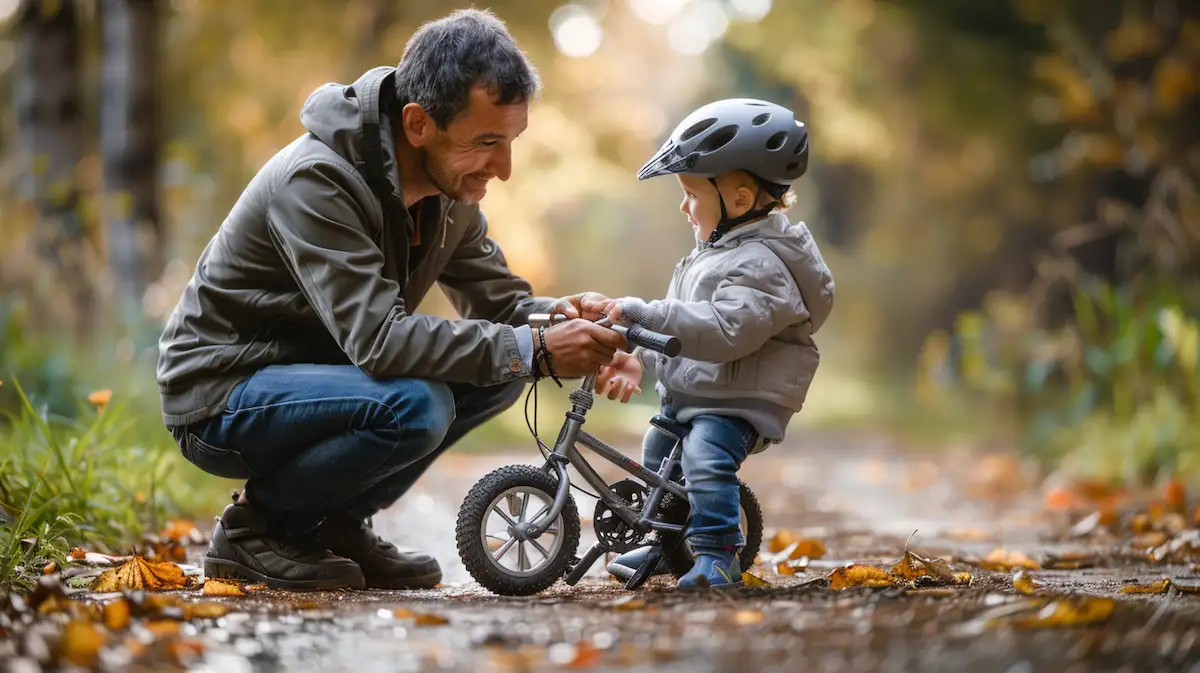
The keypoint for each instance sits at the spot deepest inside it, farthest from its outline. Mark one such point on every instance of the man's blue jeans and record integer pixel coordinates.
(713, 450)
(312, 440)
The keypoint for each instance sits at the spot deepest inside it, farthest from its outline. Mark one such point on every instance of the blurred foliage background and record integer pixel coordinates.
(1006, 191)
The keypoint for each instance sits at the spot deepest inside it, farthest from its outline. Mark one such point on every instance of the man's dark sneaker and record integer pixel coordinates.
(242, 549)
(383, 565)
(624, 566)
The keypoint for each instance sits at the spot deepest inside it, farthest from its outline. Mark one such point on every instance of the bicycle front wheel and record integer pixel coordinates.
(496, 557)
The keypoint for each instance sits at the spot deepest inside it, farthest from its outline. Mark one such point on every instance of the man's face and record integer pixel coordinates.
(475, 147)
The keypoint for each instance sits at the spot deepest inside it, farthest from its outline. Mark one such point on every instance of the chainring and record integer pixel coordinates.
(611, 529)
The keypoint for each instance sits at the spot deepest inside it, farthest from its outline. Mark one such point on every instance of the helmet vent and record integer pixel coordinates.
(793, 166)
(717, 139)
(801, 146)
(761, 119)
(696, 128)
(776, 141)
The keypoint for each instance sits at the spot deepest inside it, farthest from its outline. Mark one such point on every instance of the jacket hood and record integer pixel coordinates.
(332, 114)
(794, 245)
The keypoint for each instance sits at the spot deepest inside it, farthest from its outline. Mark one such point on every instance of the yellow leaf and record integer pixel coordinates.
(1024, 584)
(753, 581)
(163, 628)
(138, 573)
(116, 615)
(100, 398)
(1159, 587)
(254, 587)
(225, 588)
(1075, 611)
(50, 568)
(748, 617)
(859, 576)
(81, 642)
(180, 531)
(420, 618)
(1002, 560)
(210, 610)
(784, 569)
(962, 578)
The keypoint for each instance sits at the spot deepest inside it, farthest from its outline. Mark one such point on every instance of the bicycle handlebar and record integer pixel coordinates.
(635, 334)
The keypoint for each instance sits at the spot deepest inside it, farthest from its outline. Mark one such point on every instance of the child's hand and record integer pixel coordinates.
(615, 314)
(621, 379)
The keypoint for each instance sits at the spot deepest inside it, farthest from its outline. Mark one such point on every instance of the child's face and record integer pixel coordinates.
(699, 204)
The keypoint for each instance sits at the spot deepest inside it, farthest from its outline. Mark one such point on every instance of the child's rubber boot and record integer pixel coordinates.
(714, 567)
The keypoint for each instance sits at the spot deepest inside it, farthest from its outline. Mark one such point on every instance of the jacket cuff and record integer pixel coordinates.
(638, 311)
(524, 334)
(518, 366)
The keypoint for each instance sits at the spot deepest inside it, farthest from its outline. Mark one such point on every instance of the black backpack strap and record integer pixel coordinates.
(375, 91)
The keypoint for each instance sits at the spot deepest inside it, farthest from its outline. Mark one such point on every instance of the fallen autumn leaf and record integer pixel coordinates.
(138, 573)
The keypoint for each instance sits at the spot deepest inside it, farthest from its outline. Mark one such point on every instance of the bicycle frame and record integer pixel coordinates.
(566, 453)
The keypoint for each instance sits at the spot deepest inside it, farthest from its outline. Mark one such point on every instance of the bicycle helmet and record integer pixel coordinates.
(756, 136)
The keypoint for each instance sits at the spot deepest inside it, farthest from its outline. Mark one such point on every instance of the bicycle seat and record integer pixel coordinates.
(669, 426)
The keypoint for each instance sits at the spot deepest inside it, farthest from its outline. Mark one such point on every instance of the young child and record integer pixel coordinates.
(745, 304)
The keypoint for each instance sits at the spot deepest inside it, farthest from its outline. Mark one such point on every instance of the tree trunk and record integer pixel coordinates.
(48, 99)
(129, 148)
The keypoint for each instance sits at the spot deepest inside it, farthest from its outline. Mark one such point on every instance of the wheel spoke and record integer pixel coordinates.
(524, 506)
(504, 516)
(504, 548)
(541, 511)
(545, 554)
(522, 557)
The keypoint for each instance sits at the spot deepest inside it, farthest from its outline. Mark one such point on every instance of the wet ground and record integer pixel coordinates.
(862, 497)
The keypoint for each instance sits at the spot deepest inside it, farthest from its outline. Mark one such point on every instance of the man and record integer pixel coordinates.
(293, 360)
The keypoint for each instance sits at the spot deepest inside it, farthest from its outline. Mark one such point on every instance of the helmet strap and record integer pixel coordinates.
(726, 223)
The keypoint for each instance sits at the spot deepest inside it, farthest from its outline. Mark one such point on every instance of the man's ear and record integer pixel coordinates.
(419, 127)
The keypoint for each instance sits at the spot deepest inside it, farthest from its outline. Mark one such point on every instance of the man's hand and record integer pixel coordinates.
(581, 347)
(621, 379)
(586, 305)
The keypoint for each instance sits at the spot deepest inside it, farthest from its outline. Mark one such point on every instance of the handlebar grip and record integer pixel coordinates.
(661, 343)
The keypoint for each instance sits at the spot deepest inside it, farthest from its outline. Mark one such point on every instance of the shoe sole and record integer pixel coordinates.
(223, 569)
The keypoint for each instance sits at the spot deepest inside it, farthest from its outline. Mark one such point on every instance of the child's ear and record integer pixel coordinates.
(745, 198)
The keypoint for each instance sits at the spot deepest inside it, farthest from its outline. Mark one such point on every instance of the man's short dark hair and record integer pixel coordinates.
(448, 57)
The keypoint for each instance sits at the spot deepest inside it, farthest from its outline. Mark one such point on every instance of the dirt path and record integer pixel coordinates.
(862, 498)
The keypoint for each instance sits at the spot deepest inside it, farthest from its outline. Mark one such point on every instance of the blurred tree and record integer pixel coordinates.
(129, 148)
(48, 98)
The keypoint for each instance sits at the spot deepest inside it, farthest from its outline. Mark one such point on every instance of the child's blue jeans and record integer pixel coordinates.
(713, 450)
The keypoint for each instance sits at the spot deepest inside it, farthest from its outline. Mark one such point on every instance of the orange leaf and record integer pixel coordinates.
(138, 573)
(163, 628)
(1024, 583)
(180, 531)
(586, 656)
(748, 617)
(1002, 560)
(1159, 587)
(1075, 611)
(50, 568)
(116, 615)
(81, 642)
(1175, 496)
(224, 588)
(100, 398)
(859, 576)
(78, 554)
(210, 610)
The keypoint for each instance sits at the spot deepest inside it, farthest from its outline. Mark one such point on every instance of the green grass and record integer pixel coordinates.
(100, 480)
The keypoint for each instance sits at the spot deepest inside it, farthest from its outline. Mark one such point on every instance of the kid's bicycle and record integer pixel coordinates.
(518, 528)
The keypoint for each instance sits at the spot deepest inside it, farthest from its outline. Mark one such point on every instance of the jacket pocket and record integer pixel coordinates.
(214, 460)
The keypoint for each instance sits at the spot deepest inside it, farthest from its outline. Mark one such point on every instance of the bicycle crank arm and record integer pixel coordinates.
(586, 562)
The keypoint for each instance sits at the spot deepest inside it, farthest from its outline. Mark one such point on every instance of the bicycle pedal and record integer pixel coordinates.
(645, 570)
